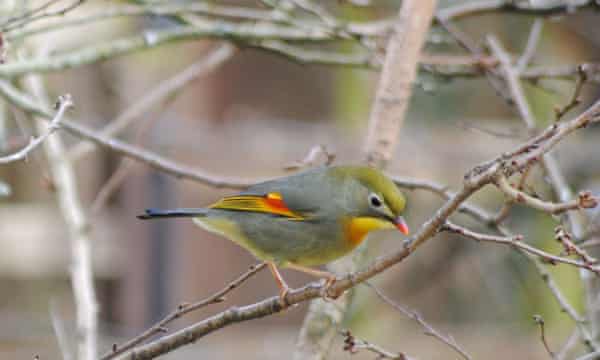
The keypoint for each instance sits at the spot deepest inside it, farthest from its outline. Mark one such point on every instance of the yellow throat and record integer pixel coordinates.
(358, 227)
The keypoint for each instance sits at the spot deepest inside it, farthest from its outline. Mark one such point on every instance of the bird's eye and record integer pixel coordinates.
(375, 200)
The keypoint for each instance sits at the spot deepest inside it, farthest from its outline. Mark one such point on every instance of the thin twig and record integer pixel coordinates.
(557, 181)
(511, 74)
(569, 344)
(539, 320)
(403, 51)
(318, 10)
(168, 87)
(575, 97)
(491, 74)
(475, 179)
(61, 334)
(428, 329)
(44, 15)
(590, 356)
(517, 242)
(471, 8)
(505, 210)
(562, 236)
(241, 31)
(64, 102)
(163, 90)
(312, 158)
(354, 345)
(510, 134)
(443, 191)
(584, 200)
(37, 14)
(183, 309)
(81, 271)
(531, 46)
(396, 80)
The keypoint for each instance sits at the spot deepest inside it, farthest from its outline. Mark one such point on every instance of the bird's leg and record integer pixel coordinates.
(330, 278)
(283, 286)
(310, 271)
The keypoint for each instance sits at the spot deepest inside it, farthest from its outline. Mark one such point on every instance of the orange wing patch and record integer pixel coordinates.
(272, 203)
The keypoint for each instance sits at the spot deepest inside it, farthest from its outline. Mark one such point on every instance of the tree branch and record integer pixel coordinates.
(428, 329)
(517, 241)
(354, 345)
(153, 38)
(396, 79)
(391, 101)
(64, 103)
(181, 310)
(162, 91)
(157, 162)
(584, 200)
(65, 182)
(517, 7)
(474, 180)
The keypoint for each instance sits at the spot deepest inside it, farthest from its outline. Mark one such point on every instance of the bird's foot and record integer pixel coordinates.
(326, 292)
(283, 292)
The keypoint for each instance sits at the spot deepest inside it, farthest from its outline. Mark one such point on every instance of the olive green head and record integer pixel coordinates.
(379, 198)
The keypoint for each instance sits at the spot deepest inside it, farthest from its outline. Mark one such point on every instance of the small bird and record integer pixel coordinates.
(307, 219)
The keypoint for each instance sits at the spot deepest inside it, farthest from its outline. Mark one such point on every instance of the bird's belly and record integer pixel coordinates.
(301, 242)
(281, 240)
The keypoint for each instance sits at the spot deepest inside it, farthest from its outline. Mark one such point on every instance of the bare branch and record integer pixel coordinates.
(517, 7)
(467, 208)
(162, 91)
(183, 309)
(572, 340)
(546, 276)
(531, 46)
(489, 220)
(559, 185)
(584, 200)
(539, 320)
(317, 10)
(136, 153)
(396, 79)
(36, 14)
(150, 39)
(312, 158)
(428, 329)
(354, 345)
(474, 180)
(391, 101)
(131, 10)
(511, 75)
(591, 356)
(517, 242)
(60, 332)
(64, 103)
(65, 182)
(570, 247)
(575, 98)
(592, 72)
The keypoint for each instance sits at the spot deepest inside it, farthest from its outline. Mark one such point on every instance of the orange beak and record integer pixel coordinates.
(401, 225)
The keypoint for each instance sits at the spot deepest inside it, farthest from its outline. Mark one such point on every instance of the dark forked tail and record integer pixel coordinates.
(158, 213)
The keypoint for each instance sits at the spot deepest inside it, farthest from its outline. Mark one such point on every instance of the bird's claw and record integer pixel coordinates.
(283, 295)
(325, 290)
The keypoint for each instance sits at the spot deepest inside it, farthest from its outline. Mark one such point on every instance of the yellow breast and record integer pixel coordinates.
(357, 228)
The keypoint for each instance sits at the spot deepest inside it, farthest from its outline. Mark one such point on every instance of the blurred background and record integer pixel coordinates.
(250, 117)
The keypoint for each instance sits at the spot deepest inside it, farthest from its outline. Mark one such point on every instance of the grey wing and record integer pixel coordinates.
(286, 239)
(297, 192)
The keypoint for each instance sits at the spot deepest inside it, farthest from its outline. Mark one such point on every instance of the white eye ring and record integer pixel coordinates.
(375, 201)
